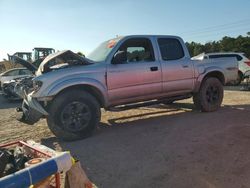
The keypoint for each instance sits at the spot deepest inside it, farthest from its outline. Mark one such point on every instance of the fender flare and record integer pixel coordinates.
(211, 70)
(64, 84)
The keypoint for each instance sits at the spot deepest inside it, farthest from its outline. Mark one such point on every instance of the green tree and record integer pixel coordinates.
(226, 44)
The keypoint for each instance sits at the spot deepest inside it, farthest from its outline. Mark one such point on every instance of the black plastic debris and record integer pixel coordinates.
(12, 160)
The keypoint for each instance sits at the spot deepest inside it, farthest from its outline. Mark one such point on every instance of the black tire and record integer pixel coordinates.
(168, 102)
(210, 96)
(73, 115)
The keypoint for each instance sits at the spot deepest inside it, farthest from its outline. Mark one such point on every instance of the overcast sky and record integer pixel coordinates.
(80, 25)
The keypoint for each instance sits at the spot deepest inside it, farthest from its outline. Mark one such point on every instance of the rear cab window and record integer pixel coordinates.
(170, 48)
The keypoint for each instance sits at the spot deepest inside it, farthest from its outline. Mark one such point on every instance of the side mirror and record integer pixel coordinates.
(119, 57)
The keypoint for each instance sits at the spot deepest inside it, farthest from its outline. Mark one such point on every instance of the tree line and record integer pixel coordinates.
(226, 44)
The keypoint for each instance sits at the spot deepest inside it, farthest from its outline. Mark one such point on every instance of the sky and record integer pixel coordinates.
(80, 25)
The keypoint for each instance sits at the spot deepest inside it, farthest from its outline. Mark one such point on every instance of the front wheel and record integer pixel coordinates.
(73, 115)
(210, 96)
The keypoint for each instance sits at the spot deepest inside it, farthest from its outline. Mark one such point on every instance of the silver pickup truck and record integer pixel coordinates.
(122, 73)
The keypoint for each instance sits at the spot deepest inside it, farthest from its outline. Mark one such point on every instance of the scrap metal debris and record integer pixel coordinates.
(12, 160)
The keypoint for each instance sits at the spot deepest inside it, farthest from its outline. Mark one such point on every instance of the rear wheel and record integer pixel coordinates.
(73, 115)
(210, 96)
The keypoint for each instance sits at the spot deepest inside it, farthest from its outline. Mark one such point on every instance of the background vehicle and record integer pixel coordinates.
(24, 55)
(39, 54)
(122, 73)
(13, 74)
(35, 58)
(243, 62)
(13, 89)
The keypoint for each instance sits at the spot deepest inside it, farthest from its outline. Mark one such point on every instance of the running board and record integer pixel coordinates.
(148, 103)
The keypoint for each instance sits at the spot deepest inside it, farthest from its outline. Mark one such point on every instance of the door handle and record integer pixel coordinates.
(185, 66)
(154, 68)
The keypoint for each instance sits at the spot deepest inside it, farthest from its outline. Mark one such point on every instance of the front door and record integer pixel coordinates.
(139, 76)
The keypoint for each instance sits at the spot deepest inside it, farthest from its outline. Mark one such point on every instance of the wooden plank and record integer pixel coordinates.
(77, 178)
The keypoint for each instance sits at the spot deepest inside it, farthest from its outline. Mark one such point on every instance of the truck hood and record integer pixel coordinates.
(61, 59)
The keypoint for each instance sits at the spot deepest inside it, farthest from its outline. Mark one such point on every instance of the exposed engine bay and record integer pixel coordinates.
(16, 89)
(62, 59)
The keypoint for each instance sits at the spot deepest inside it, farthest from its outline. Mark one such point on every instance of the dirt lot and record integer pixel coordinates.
(160, 146)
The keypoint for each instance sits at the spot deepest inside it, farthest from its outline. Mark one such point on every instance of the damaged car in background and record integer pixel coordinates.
(122, 73)
(30, 61)
(53, 62)
(9, 80)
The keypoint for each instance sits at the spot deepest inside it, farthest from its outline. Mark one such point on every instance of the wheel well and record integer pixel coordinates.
(90, 89)
(240, 73)
(216, 74)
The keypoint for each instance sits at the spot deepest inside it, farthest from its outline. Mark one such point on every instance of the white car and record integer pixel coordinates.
(243, 62)
(13, 74)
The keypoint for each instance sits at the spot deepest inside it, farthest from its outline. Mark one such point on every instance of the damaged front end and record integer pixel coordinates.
(14, 89)
(8, 90)
(32, 110)
(61, 59)
(23, 86)
(34, 106)
(11, 89)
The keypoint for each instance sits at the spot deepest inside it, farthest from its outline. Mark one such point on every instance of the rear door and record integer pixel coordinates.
(177, 70)
(137, 77)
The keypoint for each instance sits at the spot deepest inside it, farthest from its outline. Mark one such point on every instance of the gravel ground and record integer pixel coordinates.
(158, 146)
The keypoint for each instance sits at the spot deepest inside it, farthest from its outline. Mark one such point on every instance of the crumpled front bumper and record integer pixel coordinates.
(32, 110)
(34, 104)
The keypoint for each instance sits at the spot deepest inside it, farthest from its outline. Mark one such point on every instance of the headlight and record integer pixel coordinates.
(37, 84)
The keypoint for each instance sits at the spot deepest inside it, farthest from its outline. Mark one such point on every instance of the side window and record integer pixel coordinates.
(215, 56)
(232, 55)
(138, 50)
(171, 49)
(24, 72)
(239, 58)
(11, 73)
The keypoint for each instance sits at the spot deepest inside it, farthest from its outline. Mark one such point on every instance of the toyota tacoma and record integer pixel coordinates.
(122, 73)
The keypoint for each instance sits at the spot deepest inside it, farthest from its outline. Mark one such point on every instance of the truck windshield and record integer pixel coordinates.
(101, 52)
